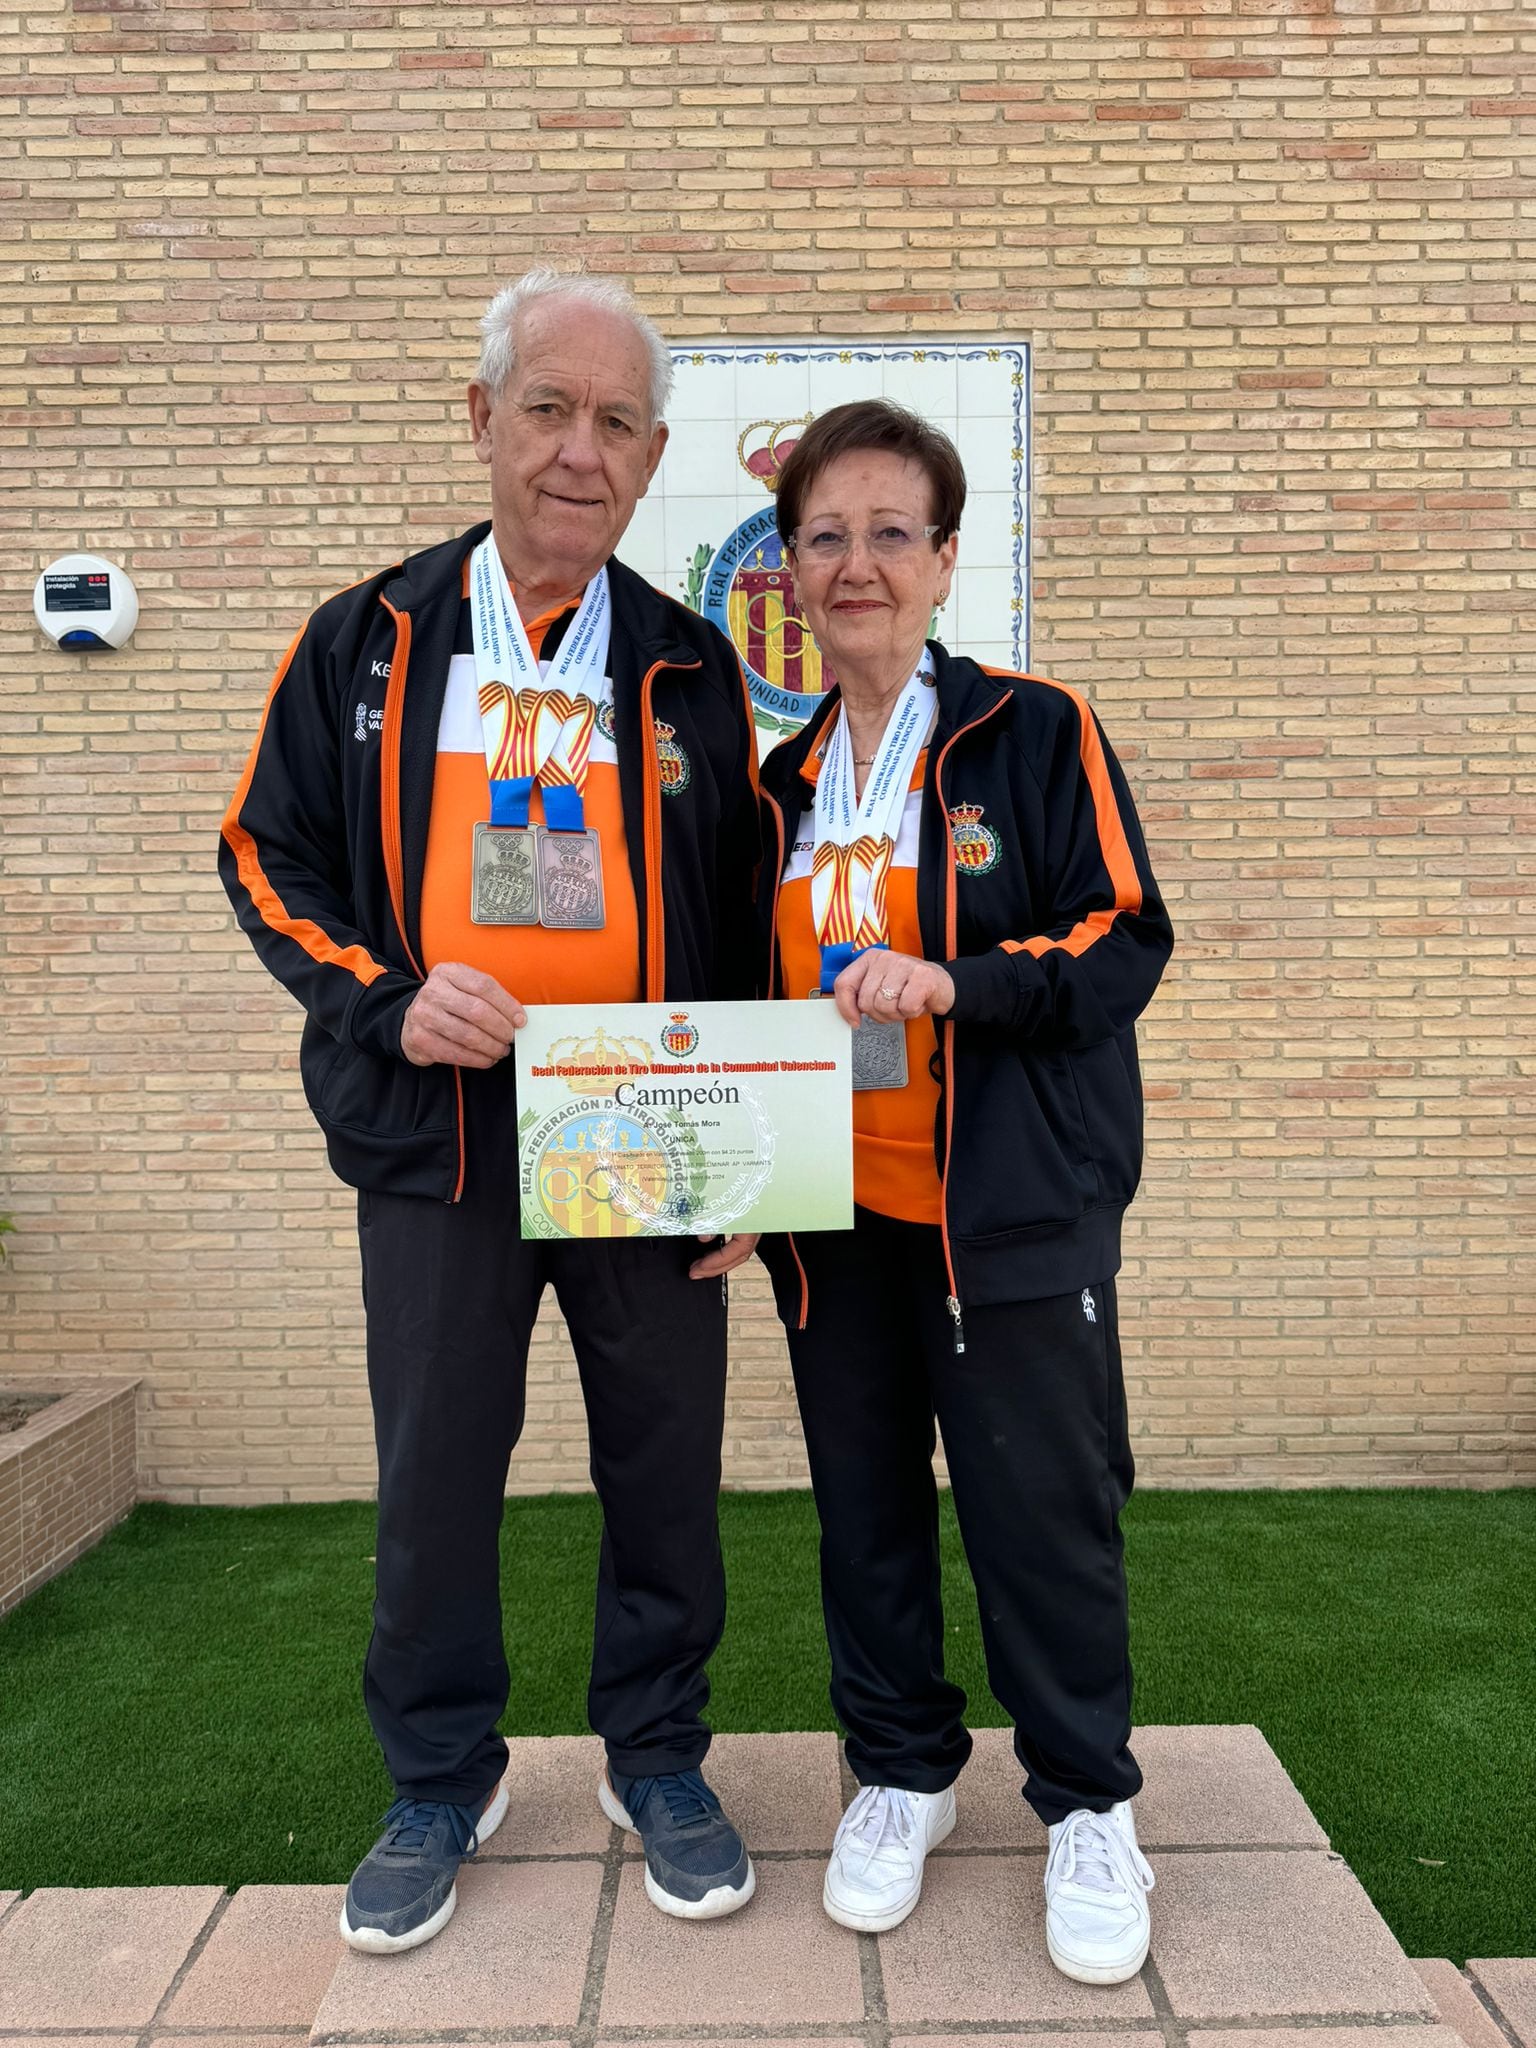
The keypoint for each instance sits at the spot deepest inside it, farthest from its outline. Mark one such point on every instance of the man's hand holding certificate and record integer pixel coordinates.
(641, 1119)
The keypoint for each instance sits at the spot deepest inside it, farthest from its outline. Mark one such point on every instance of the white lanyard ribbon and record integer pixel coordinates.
(535, 728)
(856, 837)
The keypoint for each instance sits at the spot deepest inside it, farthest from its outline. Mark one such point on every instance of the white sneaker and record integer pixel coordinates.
(875, 1876)
(1097, 1923)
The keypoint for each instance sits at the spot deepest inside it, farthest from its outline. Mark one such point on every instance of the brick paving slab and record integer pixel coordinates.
(514, 1954)
(1079, 2037)
(267, 1963)
(782, 1791)
(1323, 2037)
(7, 1900)
(74, 2040)
(975, 1950)
(1221, 1786)
(97, 1958)
(788, 2041)
(1253, 1933)
(290, 2039)
(779, 1961)
(1224, 1788)
(1511, 1984)
(1459, 2005)
(990, 1812)
(552, 1807)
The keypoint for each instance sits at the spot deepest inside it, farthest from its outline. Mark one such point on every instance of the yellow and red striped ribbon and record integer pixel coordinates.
(868, 855)
(567, 763)
(517, 751)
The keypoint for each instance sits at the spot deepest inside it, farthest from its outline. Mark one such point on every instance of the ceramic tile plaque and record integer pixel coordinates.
(706, 531)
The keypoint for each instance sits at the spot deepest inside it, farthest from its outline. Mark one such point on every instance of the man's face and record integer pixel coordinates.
(570, 442)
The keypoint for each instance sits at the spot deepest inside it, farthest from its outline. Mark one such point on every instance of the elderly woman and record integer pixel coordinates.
(960, 869)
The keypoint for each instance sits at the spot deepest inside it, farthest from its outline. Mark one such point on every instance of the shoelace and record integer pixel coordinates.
(881, 1818)
(687, 1797)
(1092, 1852)
(410, 1821)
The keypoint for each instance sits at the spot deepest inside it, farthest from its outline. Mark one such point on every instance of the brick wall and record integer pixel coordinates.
(1268, 258)
(67, 1476)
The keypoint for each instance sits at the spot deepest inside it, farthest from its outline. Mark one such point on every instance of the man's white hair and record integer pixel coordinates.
(498, 325)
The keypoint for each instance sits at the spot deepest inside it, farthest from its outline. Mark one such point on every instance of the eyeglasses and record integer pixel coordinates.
(888, 541)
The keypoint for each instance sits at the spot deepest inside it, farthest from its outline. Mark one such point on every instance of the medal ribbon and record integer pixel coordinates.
(564, 775)
(543, 735)
(856, 838)
(871, 859)
(517, 756)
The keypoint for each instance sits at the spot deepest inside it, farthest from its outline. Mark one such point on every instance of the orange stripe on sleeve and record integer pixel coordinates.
(270, 907)
(1114, 847)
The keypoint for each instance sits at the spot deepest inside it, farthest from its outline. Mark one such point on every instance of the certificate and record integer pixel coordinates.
(645, 1120)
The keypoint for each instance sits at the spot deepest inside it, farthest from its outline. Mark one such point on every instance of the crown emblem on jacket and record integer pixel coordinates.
(678, 1036)
(977, 847)
(676, 773)
(767, 456)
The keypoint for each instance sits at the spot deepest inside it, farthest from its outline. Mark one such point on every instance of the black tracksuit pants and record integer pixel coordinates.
(1034, 1426)
(451, 1293)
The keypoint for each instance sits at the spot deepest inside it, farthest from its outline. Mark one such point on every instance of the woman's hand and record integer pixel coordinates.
(892, 987)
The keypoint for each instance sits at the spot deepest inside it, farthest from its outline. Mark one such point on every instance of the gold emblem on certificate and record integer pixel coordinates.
(504, 887)
(879, 1055)
(570, 880)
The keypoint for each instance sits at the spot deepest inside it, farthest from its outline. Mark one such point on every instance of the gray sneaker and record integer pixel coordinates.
(696, 1866)
(402, 1893)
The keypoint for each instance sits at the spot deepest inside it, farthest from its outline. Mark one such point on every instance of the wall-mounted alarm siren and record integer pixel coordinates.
(83, 602)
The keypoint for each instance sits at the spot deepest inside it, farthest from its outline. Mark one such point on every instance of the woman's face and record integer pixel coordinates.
(870, 606)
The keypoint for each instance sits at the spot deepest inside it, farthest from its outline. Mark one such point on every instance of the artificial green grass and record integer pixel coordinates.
(184, 1705)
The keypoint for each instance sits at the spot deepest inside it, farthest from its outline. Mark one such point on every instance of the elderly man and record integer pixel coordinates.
(455, 806)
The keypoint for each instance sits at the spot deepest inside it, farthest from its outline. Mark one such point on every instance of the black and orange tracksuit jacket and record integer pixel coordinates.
(324, 844)
(1033, 889)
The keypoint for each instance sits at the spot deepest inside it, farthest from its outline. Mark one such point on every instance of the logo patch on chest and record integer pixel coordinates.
(977, 848)
(676, 771)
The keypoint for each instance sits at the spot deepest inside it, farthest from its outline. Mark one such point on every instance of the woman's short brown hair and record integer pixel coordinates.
(873, 423)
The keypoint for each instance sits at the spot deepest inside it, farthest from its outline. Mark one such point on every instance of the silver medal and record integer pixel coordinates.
(504, 884)
(570, 880)
(856, 835)
(879, 1055)
(879, 1052)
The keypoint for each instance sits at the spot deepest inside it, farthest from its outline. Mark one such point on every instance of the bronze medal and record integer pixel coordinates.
(504, 877)
(570, 880)
(879, 1055)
